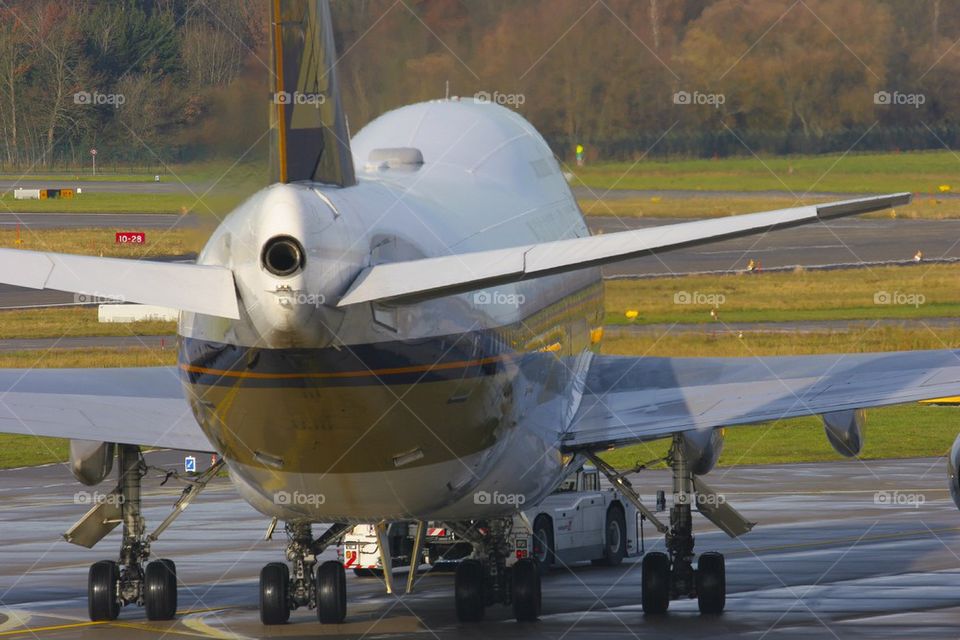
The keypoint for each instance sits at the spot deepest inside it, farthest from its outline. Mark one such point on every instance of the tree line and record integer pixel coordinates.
(159, 81)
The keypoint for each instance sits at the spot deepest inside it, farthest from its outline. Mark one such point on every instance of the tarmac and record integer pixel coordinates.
(847, 549)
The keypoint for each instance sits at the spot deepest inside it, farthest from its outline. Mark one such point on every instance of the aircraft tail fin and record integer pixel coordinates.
(310, 136)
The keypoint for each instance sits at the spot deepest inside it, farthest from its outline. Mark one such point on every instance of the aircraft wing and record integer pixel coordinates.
(448, 275)
(142, 406)
(628, 400)
(188, 287)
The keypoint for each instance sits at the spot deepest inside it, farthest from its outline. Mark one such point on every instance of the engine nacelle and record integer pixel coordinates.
(844, 430)
(91, 462)
(953, 468)
(702, 449)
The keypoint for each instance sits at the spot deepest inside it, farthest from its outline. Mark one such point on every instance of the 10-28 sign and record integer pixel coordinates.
(137, 237)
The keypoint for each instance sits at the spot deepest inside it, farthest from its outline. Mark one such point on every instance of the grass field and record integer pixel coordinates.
(102, 242)
(923, 172)
(916, 291)
(217, 203)
(72, 322)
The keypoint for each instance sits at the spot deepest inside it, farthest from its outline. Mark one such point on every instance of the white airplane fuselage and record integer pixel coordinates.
(449, 408)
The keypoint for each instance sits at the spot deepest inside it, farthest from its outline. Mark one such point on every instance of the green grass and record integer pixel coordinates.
(776, 297)
(906, 431)
(72, 322)
(922, 172)
(121, 203)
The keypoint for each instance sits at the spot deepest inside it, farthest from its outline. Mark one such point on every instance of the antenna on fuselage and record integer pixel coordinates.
(311, 141)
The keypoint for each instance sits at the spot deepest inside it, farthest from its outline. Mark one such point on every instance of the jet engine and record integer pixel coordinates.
(844, 430)
(953, 467)
(703, 449)
(91, 462)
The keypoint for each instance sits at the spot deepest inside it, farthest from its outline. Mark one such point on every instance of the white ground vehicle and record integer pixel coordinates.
(577, 522)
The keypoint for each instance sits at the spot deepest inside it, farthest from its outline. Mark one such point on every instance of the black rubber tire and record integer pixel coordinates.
(526, 590)
(331, 592)
(468, 591)
(655, 583)
(274, 594)
(102, 601)
(543, 546)
(615, 537)
(160, 590)
(711, 583)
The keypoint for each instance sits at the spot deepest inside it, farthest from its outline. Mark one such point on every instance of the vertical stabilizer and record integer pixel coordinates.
(310, 136)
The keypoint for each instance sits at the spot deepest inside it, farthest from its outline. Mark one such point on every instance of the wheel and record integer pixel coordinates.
(711, 583)
(526, 590)
(468, 591)
(160, 590)
(365, 573)
(615, 538)
(543, 543)
(274, 590)
(103, 602)
(331, 592)
(655, 583)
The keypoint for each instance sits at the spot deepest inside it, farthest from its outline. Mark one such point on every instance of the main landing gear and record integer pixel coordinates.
(302, 583)
(671, 575)
(485, 580)
(134, 580)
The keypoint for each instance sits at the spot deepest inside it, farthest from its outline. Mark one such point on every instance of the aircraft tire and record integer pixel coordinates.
(711, 583)
(331, 592)
(655, 583)
(160, 590)
(526, 590)
(468, 591)
(274, 594)
(103, 603)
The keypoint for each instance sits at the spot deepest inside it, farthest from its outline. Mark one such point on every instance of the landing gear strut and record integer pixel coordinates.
(485, 579)
(284, 588)
(113, 585)
(669, 576)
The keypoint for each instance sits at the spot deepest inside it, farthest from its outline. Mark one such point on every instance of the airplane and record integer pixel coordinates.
(406, 326)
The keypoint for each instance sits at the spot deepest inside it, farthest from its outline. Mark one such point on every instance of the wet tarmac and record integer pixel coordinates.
(846, 550)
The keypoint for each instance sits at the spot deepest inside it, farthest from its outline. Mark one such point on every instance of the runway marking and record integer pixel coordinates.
(196, 622)
(58, 627)
(15, 620)
(19, 626)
